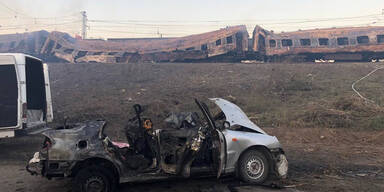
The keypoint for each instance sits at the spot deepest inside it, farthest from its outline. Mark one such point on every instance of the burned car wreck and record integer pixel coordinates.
(226, 143)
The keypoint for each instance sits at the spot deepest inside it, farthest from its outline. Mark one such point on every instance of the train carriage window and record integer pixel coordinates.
(12, 45)
(272, 43)
(342, 41)
(362, 40)
(323, 41)
(82, 53)
(286, 42)
(218, 42)
(229, 39)
(204, 47)
(305, 42)
(69, 51)
(380, 38)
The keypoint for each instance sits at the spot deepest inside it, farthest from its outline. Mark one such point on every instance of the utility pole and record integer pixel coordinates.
(84, 25)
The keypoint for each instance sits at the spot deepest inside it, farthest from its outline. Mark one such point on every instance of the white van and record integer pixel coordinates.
(25, 95)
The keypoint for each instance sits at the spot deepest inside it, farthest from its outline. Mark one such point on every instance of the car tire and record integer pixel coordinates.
(94, 178)
(253, 167)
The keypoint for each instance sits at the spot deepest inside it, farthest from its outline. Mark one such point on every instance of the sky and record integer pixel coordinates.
(171, 18)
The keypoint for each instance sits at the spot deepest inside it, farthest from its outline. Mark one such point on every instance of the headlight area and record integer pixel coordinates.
(40, 164)
(281, 163)
(35, 166)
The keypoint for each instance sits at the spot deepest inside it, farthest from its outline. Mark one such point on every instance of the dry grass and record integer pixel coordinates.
(274, 95)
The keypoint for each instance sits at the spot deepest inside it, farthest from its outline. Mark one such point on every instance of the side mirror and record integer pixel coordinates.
(226, 125)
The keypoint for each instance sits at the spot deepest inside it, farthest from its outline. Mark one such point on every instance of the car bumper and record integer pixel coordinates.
(281, 166)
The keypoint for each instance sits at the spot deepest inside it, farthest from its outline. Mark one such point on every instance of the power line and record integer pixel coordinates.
(13, 10)
(229, 21)
(42, 25)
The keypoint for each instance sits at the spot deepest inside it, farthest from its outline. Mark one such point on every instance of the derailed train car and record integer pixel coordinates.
(340, 44)
(229, 44)
(226, 44)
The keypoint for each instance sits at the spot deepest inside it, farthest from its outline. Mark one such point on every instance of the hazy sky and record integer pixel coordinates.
(149, 18)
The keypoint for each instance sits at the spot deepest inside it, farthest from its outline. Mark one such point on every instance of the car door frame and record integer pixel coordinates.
(222, 156)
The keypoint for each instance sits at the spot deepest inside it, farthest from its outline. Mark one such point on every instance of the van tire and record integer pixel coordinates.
(253, 167)
(94, 176)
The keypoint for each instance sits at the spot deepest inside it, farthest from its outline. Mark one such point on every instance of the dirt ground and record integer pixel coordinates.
(333, 140)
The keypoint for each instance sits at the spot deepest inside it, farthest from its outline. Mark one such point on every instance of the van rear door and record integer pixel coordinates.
(9, 93)
(48, 97)
(39, 104)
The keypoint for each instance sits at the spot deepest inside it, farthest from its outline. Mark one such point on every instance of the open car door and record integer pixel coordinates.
(218, 140)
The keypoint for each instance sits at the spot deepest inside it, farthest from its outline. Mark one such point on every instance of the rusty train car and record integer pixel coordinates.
(340, 44)
(230, 44)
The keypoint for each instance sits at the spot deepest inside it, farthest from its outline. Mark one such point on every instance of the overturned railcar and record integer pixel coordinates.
(226, 44)
(339, 44)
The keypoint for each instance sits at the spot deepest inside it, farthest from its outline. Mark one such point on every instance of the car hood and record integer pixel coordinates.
(234, 115)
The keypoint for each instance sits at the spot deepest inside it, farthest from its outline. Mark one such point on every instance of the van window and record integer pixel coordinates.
(8, 96)
(286, 42)
(36, 98)
(362, 40)
(323, 41)
(272, 43)
(380, 38)
(305, 42)
(342, 41)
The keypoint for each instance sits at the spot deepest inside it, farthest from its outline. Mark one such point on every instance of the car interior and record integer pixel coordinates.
(171, 151)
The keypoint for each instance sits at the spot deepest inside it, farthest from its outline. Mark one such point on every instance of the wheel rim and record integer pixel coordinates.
(255, 168)
(95, 184)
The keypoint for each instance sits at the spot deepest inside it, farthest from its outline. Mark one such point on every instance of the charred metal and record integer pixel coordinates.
(342, 44)
(227, 44)
(193, 143)
(233, 41)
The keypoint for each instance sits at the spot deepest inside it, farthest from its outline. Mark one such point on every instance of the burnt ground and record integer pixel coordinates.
(333, 140)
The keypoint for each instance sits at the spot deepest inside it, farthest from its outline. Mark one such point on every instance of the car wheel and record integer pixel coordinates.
(253, 167)
(93, 179)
